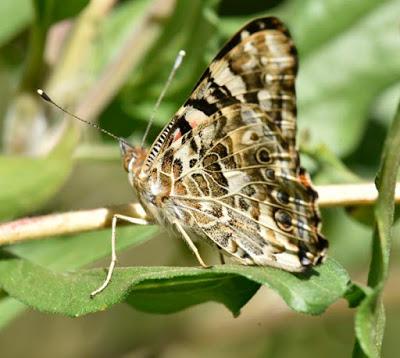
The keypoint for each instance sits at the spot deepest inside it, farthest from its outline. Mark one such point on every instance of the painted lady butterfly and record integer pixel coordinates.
(225, 169)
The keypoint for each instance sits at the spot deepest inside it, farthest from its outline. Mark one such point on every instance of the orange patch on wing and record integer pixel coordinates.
(305, 180)
(177, 134)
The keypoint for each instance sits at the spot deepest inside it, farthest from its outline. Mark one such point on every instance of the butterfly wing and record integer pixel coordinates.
(226, 166)
(257, 65)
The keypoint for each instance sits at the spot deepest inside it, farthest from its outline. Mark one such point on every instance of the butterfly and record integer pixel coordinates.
(225, 169)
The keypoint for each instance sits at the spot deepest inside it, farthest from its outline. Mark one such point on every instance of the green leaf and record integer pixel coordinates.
(331, 106)
(312, 20)
(168, 289)
(369, 325)
(370, 318)
(79, 250)
(72, 253)
(385, 205)
(9, 309)
(49, 11)
(306, 294)
(177, 293)
(28, 182)
(355, 294)
(46, 13)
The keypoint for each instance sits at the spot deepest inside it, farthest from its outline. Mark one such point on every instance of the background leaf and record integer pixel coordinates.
(370, 318)
(15, 15)
(330, 79)
(49, 11)
(32, 181)
(311, 20)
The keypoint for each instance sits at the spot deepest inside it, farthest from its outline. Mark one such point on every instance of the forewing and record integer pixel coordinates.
(258, 65)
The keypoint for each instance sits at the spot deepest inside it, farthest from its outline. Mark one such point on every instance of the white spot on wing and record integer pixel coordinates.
(223, 76)
(195, 116)
(287, 260)
(263, 95)
(244, 34)
(247, 136)
(236, 179)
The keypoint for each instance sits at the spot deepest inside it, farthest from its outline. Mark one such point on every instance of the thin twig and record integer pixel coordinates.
(65, 223)
(89, 220)
(350, 194)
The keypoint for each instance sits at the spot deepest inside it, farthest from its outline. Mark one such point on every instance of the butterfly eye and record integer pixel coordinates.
(132, 157)
(129, 160)
(127, 153)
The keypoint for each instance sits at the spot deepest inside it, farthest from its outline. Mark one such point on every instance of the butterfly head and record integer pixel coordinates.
(133, 158)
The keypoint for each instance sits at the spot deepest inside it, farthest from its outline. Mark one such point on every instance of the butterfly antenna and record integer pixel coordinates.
(177, 63)
(47, 98)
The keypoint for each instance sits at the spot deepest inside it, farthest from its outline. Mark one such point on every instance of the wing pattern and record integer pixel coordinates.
(227, 167)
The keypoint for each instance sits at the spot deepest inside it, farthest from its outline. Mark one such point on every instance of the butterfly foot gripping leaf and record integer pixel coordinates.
(226, 169)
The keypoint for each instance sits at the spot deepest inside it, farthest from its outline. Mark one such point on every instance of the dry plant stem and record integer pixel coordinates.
(65, 223)
(95, 219)
(350, 194)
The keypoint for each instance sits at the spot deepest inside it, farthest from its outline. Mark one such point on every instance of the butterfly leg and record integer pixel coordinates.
(136, 221)
(191, 245)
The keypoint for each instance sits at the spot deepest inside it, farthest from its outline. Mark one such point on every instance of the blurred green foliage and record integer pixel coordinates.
(348, 89)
